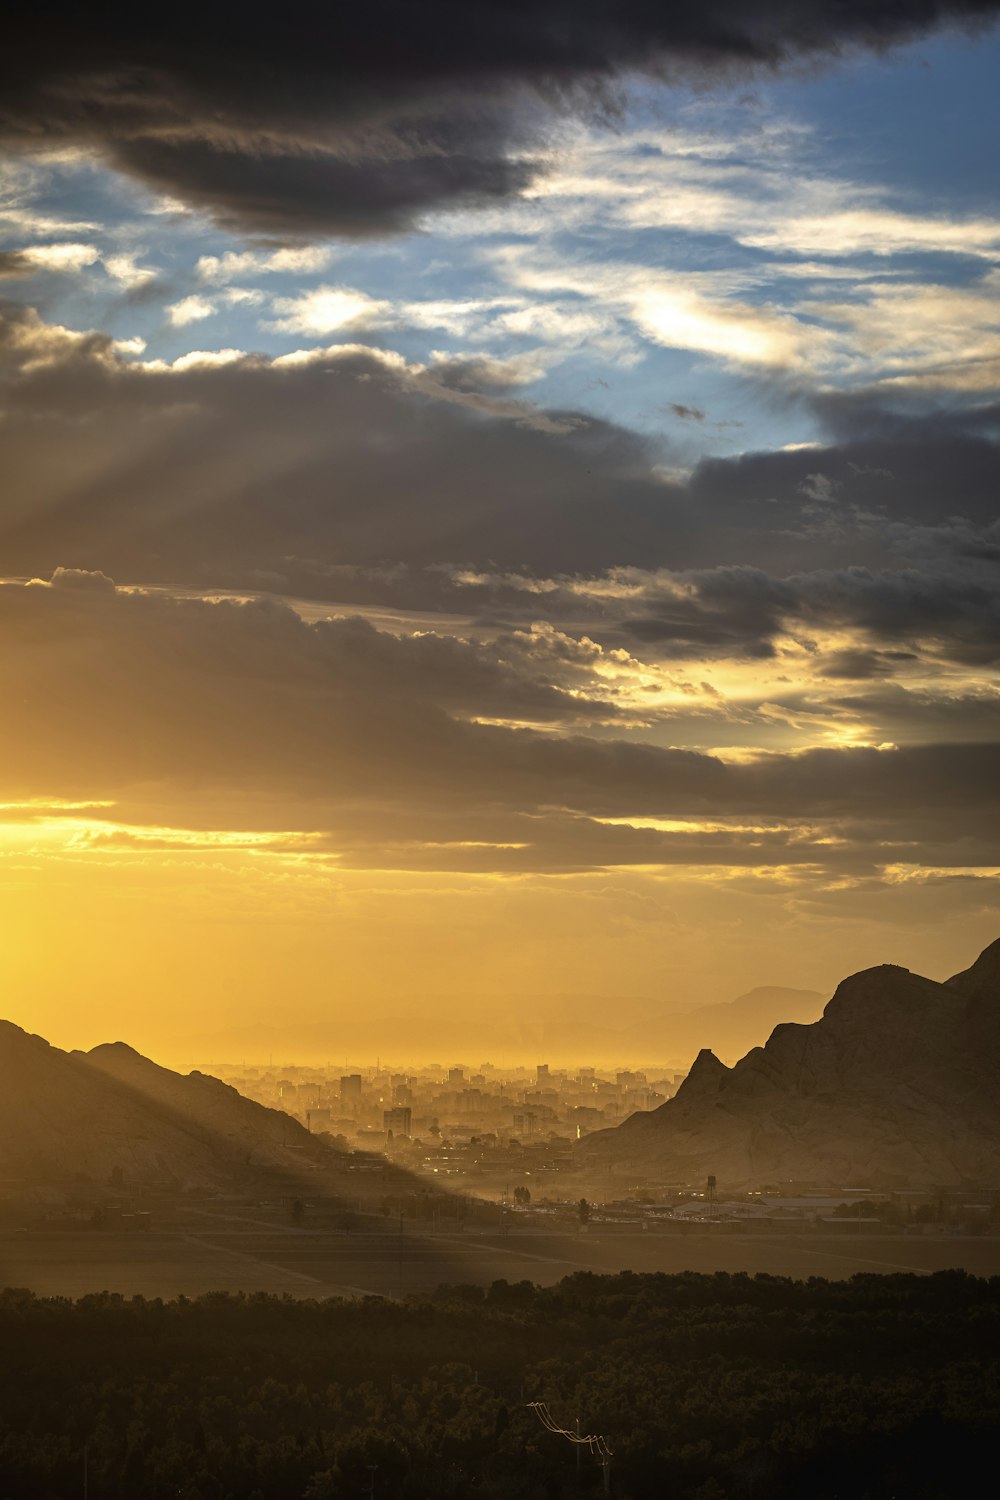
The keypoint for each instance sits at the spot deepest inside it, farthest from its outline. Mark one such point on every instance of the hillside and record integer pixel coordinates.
(896, 1084)
(75, 1117)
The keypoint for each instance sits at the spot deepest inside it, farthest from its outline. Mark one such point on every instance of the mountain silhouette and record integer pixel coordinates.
(895, 1085)
(111, 1114)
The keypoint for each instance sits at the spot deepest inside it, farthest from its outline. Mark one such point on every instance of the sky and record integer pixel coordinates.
(499, 508)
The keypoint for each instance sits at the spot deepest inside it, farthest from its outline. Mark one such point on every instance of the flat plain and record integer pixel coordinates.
(204, 1251)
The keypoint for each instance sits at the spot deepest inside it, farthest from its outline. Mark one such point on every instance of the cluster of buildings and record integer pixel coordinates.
(457, 1121)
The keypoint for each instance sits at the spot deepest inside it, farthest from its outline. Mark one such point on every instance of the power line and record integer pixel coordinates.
(593, 1441)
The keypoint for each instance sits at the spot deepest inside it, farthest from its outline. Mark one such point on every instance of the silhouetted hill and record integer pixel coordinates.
(76, 1116)
(897, 1083)
(982, 981)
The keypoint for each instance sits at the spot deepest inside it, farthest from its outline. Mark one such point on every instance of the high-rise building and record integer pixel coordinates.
(397, 1120)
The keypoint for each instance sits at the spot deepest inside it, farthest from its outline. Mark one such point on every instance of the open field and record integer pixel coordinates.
(205, 1251)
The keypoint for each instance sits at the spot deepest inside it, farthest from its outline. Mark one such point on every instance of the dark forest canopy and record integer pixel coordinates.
(705, 1386)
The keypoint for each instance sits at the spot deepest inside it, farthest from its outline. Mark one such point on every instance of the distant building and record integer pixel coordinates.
(350, 1086)
(397, 1120)
(584, 1119)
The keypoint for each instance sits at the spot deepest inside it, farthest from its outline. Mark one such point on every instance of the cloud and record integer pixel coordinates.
(758, 189)
(578, 250)
(190, 310)
(326, 310)
(694, 310)
(203, 359)
(680, 319)
(234, 265)
(313, 125)
(347, 473)
(189, 713)
(242, 296)
(66, 257)
(925, 335)
(554, 636)
(14, 263)
(123, 269)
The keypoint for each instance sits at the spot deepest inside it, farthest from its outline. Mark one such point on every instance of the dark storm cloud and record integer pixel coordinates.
(352, 120)
(350, 476)
(861, 665)
(909, 714)
(459, 676)
(211, 474)
(244, 716)
(739, 611)
(921, 469)
(724, 612)
(287, 194)
(868, 415)
(350, 456)
(14, 263)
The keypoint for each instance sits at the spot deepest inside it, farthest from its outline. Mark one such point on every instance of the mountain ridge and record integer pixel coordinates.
(112, 1114)
(895, 1084)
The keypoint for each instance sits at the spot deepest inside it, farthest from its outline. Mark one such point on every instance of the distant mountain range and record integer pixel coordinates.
(730, 1029)
(898, 1083)
(527, 1030)
(111, 1115)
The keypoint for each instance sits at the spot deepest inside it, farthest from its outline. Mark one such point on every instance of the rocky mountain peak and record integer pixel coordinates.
(896, 1083)
(983, 978)
(705, 1077)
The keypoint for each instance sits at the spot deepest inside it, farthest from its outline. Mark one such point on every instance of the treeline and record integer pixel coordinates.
(704, 1387)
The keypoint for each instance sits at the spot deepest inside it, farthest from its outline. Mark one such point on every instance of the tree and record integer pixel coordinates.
(583, 1211)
